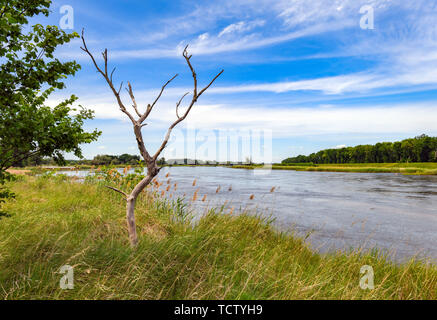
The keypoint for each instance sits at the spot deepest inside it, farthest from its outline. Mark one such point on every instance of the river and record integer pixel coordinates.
(339, 211)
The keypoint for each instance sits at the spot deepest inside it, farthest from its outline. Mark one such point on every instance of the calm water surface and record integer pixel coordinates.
(393, 212)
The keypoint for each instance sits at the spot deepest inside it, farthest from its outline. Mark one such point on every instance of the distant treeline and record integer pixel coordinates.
(124, 159)
(419, 149)
(101, 159)
(105, 159)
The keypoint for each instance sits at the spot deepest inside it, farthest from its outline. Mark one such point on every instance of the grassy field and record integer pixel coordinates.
(55, 222)
(428, 168)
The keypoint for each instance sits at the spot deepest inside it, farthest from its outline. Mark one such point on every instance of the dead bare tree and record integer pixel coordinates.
(138, 124)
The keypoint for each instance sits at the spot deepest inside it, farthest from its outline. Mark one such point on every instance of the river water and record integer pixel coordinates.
(392, 212)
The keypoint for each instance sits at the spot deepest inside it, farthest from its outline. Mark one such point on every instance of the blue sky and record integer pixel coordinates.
(305, 71)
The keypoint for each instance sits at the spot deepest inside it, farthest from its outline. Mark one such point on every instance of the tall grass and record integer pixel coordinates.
(426, 168)
(55, 222)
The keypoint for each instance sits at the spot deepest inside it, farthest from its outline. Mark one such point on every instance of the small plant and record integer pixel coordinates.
(181, 211)
(5, 194)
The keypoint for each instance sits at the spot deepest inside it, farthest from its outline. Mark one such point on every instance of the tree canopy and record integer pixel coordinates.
(419, 149)
(104, 159)
(29, 73)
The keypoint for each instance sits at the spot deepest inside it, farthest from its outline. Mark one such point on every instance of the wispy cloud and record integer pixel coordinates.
(412, 118)
(328, 85)
(340, 146)
(288, 20)
(207, 45)
(353, 83)
(242, 26)
(286, 121)
(301, 12)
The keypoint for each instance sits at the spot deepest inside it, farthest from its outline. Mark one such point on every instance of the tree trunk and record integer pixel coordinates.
(131, 199)
(130, 218)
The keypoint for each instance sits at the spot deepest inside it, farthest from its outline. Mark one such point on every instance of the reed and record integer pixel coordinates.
(402, 168)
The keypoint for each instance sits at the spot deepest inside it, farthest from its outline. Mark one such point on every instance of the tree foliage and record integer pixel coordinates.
(29, 73)
(104, 159)
(419, 149)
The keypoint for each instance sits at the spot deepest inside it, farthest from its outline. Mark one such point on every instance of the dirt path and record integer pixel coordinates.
(18, 171)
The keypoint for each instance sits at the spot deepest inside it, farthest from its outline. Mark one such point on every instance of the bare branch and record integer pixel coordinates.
(187, 59)
(112, 74)
(150, 107)
(178, 104)
(85, 48)
(195, 97)
(131, 93)
(212, 81)
(193, 101)
(119, 191)
(107, 78)
(119, 89)
(105, 58)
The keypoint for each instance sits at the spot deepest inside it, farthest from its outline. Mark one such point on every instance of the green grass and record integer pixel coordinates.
(427, 168)
(424, 168)
(55, 222)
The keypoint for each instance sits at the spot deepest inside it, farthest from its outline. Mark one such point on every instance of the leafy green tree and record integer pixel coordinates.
(128, 159)
(29, 73)
(419, 149)
(103, 159)
(397, 151)
(408, 150)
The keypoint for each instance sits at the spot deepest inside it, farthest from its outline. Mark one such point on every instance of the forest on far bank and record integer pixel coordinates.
(98, 160)
(422, 148)
(419, 149)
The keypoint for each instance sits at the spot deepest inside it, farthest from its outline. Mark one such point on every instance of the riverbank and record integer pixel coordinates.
(427, 168)
(54, 222)
(19, 172)
(424, 168)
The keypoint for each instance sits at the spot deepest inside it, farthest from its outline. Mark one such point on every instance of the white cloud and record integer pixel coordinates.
(282, 21)
(404, 46)
(242, 26)
(328, 85)
(340, 146)
(412, 119)
(301, 18)
(208, 44)
(353, 83)
(216, 44)
(286, 121)
(302, 12)
(203, 37)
